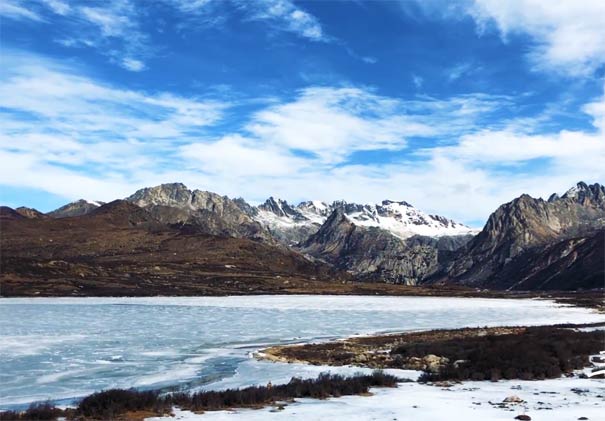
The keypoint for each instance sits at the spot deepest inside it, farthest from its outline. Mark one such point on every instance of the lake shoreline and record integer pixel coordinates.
(588, 299)
(376, 351)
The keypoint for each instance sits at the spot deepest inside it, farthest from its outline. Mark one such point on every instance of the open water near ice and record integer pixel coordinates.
(65, 348)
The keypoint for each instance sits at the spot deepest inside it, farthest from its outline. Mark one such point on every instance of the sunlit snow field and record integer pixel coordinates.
(64, 348)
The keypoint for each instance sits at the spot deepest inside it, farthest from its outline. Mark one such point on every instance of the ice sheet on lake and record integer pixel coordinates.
(61, 348)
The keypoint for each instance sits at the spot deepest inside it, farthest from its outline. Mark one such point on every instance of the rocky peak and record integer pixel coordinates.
(245, 206)
(31, 213)
(77, 208)
(403, 203)
(171, 194)
(553, 197)
(202, 211)
(372, 253)
(315, 210)
(526, 223)
(7, 213)
(281, 208)
(586, 194)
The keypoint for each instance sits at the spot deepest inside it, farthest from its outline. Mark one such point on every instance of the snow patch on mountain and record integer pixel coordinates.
(399, 218)
(403, 220)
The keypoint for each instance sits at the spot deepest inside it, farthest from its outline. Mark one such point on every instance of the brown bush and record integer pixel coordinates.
(537, 353)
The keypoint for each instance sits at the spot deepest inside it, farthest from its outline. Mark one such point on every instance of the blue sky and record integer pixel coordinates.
(455, 107)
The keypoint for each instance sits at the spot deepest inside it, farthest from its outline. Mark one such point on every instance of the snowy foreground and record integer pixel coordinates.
(546, 400)
(558, 399)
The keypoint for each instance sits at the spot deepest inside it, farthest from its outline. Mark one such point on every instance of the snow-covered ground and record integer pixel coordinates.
(548, 400)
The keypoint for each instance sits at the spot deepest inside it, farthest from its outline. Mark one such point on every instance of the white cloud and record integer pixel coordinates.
(284, 15)
(61, 97)
(112, 28)
(71, 135)
(569, 35)
(234, 156)
(57, 122)
(58, 7)
(132, 64)
(12, 9)
(279, 15)
(505, 147)
(115, 28)
(332, 123)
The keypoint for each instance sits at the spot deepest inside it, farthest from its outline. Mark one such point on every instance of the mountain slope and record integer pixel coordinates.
(287, 224)
(375, 254)
(122, 249)
(572, 264)
(208, 212)
(30, 213)
(77, 208)
(517, 230)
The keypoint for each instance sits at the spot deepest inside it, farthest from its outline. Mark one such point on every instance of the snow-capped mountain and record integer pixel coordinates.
(403, 220)
(288, 224)
(398, 218)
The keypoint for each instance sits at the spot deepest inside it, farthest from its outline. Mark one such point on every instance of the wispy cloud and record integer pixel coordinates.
(72, 135)
(568, 35)
(113, 28)
(60, 121)
(418, 81)
(57, 6)
(14, 9)
(457, 71)
(284, 15)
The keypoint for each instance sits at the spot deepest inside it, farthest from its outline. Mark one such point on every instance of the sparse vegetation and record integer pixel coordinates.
(460, 354)
(536, 353)
(36, 411)
(115, 403)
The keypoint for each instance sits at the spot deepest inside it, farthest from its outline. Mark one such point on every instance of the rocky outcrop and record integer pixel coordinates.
(375, 254)
(31, 213)
(77, 208)
(288, 224)
(7, 213)
(519, 231)
(202, 211)
(568, 265)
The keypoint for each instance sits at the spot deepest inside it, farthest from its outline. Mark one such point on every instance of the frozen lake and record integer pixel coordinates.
(64, 348)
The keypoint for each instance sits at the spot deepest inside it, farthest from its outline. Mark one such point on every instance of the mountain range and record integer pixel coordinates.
(526, 244)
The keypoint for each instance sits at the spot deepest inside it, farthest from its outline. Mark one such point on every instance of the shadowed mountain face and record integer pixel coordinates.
(576, 263)
(531, 230)
(375, 254)
(122, 249)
